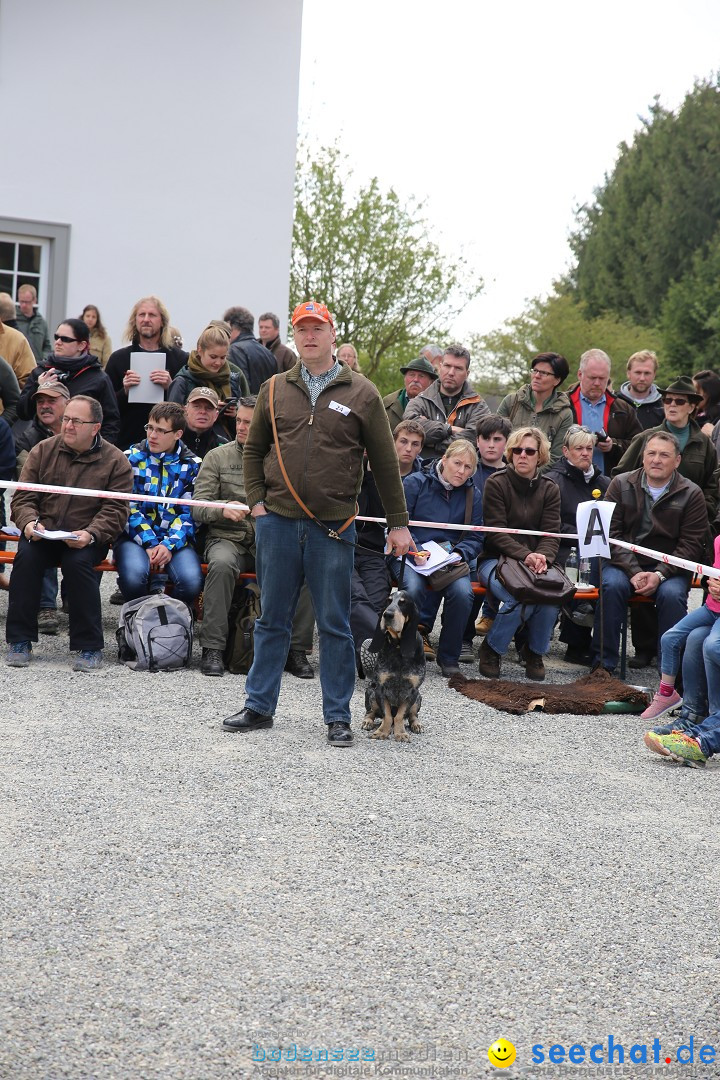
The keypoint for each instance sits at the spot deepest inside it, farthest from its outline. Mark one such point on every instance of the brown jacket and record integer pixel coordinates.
(322, 449)
(284, 355)
(679, 520)
(512, 502)
(102, 467)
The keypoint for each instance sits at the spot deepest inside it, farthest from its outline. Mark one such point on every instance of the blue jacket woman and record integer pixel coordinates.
(440, 495)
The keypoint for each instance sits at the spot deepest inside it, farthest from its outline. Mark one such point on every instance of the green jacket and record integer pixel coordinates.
(222, 479)
(554, 419)
(36, 331)
(322, 448)
(698, 462)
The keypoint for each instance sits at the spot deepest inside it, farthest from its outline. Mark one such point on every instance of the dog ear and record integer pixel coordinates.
(409, 634)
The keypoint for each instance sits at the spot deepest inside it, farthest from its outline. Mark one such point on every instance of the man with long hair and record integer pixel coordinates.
(147, 330)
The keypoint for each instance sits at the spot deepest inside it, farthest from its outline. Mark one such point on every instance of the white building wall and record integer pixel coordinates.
(163, 132)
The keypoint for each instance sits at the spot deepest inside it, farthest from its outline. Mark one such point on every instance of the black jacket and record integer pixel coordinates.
(133, 417)
(81, 375)
(574, 489)
(255, 361)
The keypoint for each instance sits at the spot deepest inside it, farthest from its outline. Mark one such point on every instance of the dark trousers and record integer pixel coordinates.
(369, 592)
(33, 558)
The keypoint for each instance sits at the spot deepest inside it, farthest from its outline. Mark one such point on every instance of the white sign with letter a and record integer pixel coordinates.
(593, 528)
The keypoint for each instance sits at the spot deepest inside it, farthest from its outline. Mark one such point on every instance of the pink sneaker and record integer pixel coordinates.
(661, 705)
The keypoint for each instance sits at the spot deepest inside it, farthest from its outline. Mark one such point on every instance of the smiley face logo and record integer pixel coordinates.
(501, 1054)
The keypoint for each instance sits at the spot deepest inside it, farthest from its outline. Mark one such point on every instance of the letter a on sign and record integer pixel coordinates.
(593, 528)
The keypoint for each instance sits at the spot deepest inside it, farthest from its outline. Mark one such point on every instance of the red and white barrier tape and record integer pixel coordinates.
(125, 496)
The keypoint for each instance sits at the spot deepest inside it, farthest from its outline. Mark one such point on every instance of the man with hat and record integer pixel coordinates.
(698, 462)
(202, 428)
(303, 462)
(50, 401)
(419, 374)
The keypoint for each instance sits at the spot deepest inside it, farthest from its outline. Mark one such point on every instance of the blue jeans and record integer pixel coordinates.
(133, 567)
(290, 551)
(670, 602)
(458, 602)
(49, 591)
(699, 632)
(538, 618)
(707, 734)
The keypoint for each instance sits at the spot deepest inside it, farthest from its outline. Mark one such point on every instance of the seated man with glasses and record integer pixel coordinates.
(75, 367)
(77, 457)
(159, 536)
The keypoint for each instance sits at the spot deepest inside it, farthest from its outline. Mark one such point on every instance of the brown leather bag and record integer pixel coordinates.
(552, 587)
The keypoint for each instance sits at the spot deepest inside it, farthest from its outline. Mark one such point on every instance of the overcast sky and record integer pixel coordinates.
(502, 117)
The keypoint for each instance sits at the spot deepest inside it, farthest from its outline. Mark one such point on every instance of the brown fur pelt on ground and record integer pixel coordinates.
(585, 697)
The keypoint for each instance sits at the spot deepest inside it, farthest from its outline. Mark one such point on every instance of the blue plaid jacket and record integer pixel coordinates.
(171, 474)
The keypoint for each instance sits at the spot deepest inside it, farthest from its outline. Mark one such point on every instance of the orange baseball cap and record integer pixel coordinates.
(310, 309)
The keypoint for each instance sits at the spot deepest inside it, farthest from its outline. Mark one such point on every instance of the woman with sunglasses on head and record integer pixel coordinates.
(72, 364)
(541, 403)
(519, 497)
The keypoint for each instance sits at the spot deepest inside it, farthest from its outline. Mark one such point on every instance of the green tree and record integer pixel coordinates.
(554, 324)
(368, 255)
(691, 314)
(660, 205)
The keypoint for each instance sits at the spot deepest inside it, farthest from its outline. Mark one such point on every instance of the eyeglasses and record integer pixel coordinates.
(676, 401)
(518, 450)
(64, 338)
(541, 371)
(152, 430)
(72, 421)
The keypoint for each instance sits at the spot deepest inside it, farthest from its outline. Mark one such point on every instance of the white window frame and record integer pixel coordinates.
(54, 238)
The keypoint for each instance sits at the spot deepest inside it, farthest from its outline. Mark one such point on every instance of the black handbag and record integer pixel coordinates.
(552, 587)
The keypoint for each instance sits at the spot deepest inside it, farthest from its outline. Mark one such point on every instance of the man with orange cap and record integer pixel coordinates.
(303, 469)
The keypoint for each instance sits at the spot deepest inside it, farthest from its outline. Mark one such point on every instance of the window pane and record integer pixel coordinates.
(7, 256)
(6, 283)
(29, 259)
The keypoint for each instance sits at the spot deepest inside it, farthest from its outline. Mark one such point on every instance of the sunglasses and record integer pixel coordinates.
(64, 338)
(676, 401)
(528, 450)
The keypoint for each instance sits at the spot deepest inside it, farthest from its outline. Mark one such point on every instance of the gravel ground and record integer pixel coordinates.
(176, 897)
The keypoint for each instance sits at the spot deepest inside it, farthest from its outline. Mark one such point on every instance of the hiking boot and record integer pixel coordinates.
(488, 662)
(483, 626)
(534, 666)
(467, 656)
(427, 647)
(88, 660)
(48, 622)
(678, 746)
(18, 654)
(368, 659)
(661, 705)
(117, 598)
(212, 662)
(297, 664)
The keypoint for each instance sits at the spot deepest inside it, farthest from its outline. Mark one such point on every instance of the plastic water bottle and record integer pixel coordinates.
(571, 566)
(584, 573)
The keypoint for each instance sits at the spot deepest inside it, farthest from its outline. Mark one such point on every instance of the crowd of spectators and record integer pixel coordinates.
(176, 425)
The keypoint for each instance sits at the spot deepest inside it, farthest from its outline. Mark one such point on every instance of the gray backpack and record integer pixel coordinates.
(155, 633)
